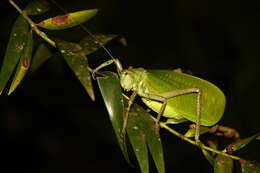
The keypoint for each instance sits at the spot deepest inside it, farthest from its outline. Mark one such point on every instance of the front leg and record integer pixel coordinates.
(126, 114)
(107, 63)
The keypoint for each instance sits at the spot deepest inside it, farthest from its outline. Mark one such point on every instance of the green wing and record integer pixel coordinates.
(184, 106)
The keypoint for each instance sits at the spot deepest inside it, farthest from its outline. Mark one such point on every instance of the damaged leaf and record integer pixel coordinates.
(14, 50)
(68, 20)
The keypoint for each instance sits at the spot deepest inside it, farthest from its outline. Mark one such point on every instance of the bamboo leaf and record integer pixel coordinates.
(36, 7)
(249, 166)
(223, 164)
(78, 62)
(240, 144)
(111, 92)
(92, 43)
(14, 50)
(68, 20)
(42, 54)
(138, 140)
(143, 122)
(24, 63)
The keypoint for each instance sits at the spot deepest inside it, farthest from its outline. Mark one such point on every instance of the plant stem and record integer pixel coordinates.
(32, 24)
(200, 145)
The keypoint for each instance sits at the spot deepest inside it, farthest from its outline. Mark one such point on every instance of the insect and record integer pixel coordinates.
(172, 94)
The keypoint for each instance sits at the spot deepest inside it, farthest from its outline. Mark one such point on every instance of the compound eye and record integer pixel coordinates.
(125, 73)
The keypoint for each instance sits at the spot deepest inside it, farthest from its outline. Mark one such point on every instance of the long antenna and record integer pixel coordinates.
(94, 38)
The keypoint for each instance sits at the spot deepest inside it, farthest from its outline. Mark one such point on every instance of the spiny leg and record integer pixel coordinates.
(163, 97)
(197, 131)
(160, 113)
(107, 63)
(126, 114)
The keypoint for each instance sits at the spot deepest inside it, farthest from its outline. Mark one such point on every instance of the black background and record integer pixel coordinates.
(49, 123)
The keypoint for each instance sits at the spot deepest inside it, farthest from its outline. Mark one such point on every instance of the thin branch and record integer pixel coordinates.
(32, 24)
(200, 145)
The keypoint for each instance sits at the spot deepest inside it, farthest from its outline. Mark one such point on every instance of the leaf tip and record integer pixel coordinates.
(11, 90)
(92, 96)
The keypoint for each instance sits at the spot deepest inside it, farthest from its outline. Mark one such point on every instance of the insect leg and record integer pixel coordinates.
(126, 114)
(164, 104)
(107, 63)
(197, 131)
(164, 96)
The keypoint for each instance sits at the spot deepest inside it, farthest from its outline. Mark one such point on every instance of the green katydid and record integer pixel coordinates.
(172, 94)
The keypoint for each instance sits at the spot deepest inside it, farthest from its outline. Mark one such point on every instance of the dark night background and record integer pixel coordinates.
(50, 124)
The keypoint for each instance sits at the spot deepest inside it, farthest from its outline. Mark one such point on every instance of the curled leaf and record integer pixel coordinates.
(78, 62)
(225, 131)
(36, 7)
(24, 63)
(14, 50)
(68, 20)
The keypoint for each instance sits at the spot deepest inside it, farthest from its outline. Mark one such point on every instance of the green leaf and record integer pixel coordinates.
(145, 125)
(240, 144)
(68, 20)
(14, 50)
(138, 140)
(111, 92)
(249, 166)
(209, 157)
(41, 55)
(92, 43)
(223, 164)
(24, 63)
(36, 7)
(191, 132)
(78, 62)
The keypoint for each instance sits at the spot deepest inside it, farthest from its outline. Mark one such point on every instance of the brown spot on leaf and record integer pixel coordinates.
(220, 163)
(60, 20)
(25, 62)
